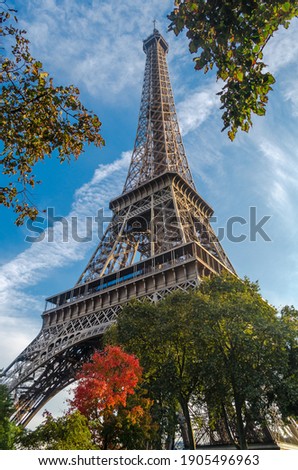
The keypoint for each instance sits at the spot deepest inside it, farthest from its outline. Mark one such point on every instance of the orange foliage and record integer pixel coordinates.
(106, 381)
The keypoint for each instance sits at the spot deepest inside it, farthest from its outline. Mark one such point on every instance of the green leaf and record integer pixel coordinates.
(260, 111)
(233, 38)
(192, 47)
(240, 76)
(231, 135)
(286, 7)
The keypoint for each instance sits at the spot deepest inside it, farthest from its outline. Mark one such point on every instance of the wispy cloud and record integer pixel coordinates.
(269, 150)
(197, 107)
(41, 258)
(200, 124)
(282, 49)
(291, 90)
(38, 260)
(282, 52)
(281, 173)
(94, 43)
(16, 334)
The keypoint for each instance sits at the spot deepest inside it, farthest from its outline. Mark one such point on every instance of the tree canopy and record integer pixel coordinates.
(230, 36)
(106, 381)
(106, 394)
(38, 118)
(289, 394)
(243, 346)
(162, 337)
(8, 430)
(68, 432)
(222, 350)
(107, 411)
(219, 360)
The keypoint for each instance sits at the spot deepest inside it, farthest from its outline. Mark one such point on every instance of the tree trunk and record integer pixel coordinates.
(240, 425)
(189, 442)
(227, 424)
(170, 441)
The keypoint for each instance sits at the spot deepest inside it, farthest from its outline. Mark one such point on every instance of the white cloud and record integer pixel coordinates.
(101, 188)
(197, 107)
(39, 260)
(278, 172)
(281, 53)
(291, 91)
(16, 333)
(41, 257)
(282, 49)
(94, 43)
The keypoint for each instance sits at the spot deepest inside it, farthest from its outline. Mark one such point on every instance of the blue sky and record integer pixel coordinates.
(97, 45)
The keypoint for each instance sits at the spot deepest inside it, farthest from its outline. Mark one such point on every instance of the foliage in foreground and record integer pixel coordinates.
(38, 119)
(68, 432)
(231, 36)
(222, 347)
(8, 430)
(107, 395)
(222, 351)
(107, 410)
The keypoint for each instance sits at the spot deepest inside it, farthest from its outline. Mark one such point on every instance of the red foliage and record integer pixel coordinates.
(105, 382)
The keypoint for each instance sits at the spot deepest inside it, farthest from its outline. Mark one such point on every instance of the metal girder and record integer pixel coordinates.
(158, 145)
(168, 217)
(51, 361)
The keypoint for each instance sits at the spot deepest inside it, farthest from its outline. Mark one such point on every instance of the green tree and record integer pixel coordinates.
(222, 348)
(68, 432)
(162, 338)
(288, 396)
(243, 346)
(136, 331)
(129, 427)
(231, 36)
(8, 430)
(38, 119)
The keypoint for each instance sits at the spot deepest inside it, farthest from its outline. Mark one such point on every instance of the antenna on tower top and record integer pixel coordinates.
(154, 25)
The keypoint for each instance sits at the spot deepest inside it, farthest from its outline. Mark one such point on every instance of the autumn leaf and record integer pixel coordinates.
(38, 119)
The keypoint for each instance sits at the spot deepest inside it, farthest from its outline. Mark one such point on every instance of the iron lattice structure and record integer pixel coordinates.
(158, 145)
(159, 240)
(159, 207)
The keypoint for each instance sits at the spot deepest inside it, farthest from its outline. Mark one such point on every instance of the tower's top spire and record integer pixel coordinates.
(158, 146)
(155, 37)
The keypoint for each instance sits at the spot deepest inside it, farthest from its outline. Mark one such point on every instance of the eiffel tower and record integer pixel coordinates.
(159, 240)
